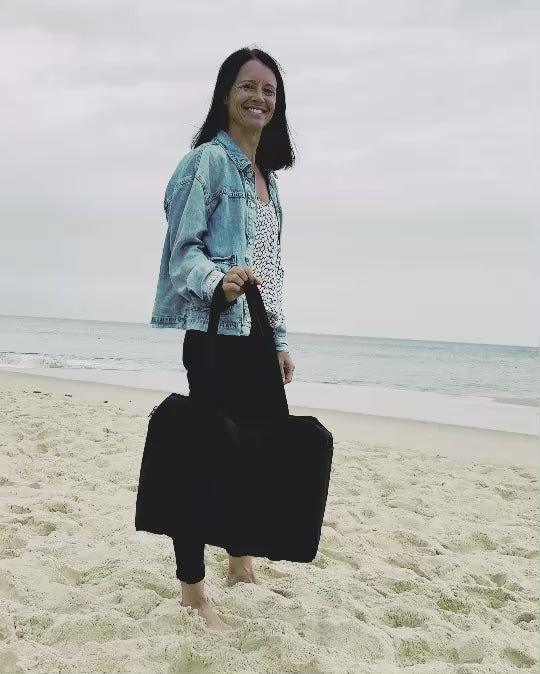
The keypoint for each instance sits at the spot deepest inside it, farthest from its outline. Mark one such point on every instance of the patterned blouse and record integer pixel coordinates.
(267, 261)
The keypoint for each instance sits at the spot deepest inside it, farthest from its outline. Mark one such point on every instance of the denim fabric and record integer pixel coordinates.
(211, 210)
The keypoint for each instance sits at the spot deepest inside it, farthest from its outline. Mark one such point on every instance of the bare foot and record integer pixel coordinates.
(244, 578)
(241, 571)
(213, 621)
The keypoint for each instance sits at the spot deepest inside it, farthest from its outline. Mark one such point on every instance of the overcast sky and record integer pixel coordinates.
(412, 210)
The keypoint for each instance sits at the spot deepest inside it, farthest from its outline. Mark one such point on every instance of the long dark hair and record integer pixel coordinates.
(274, 150)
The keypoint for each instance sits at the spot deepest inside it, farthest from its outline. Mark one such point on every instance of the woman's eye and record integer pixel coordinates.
(268, 92)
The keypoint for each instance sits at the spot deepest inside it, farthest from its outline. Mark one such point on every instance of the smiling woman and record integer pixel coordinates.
(224, 231)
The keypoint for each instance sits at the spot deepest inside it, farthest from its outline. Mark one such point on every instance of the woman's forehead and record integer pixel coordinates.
(253, 71)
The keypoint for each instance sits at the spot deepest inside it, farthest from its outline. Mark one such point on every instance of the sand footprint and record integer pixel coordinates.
(344, 557)
(11, 543)
(525, 617)
(349, 635)
(518, 658)
(40, 526)
(410, 538)
(10, 589)
(73, 576)
(403, 615)
(91, 627)
(494, 597)
(284, 593)
(404, 562)
(8, 662)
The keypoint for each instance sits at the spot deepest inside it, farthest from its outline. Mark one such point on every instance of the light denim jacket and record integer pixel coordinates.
(211, 210)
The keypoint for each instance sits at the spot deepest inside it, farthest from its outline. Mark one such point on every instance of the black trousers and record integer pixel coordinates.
(238, 392)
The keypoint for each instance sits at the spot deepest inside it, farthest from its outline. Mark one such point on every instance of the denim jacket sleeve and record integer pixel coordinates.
(192, 274)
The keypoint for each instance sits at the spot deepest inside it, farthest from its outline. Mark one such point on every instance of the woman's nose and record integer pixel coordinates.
(259, 92)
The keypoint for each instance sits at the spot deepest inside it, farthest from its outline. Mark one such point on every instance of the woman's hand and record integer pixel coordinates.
(286, 366)
(234, 280)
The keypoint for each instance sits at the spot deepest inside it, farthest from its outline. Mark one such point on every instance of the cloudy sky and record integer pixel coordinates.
(412, 210)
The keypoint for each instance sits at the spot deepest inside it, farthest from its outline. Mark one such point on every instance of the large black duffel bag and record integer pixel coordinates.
(261, 487)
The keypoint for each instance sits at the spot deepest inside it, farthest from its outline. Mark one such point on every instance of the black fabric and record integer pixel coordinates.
(236, 375)
(189, 554)
(221, 300)
(228, 464)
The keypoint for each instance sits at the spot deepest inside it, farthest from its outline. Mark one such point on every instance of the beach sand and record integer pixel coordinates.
(428, 560)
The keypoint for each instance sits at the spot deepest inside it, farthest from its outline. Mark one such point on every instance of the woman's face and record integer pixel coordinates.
(255, 85)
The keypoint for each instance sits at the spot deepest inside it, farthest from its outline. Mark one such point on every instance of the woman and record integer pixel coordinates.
(225, 221)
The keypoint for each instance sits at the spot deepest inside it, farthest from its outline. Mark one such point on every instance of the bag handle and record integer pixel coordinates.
(259, 318)
(261, 328)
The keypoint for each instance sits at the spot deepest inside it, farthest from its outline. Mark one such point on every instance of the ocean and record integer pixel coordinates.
(390, 377)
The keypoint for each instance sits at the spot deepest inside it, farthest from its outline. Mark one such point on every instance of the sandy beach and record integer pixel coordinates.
(428, 560)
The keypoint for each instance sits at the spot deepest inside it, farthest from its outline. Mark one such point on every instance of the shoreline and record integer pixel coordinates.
(513, 415)
(527, 402)
(435, 439)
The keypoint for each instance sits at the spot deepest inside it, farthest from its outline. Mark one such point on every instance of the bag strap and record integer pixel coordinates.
(261, 331)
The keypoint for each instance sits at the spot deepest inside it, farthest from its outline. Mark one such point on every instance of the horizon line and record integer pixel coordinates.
(294, 332)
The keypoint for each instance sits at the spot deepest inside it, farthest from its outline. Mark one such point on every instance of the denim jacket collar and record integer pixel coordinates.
(234, 152)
